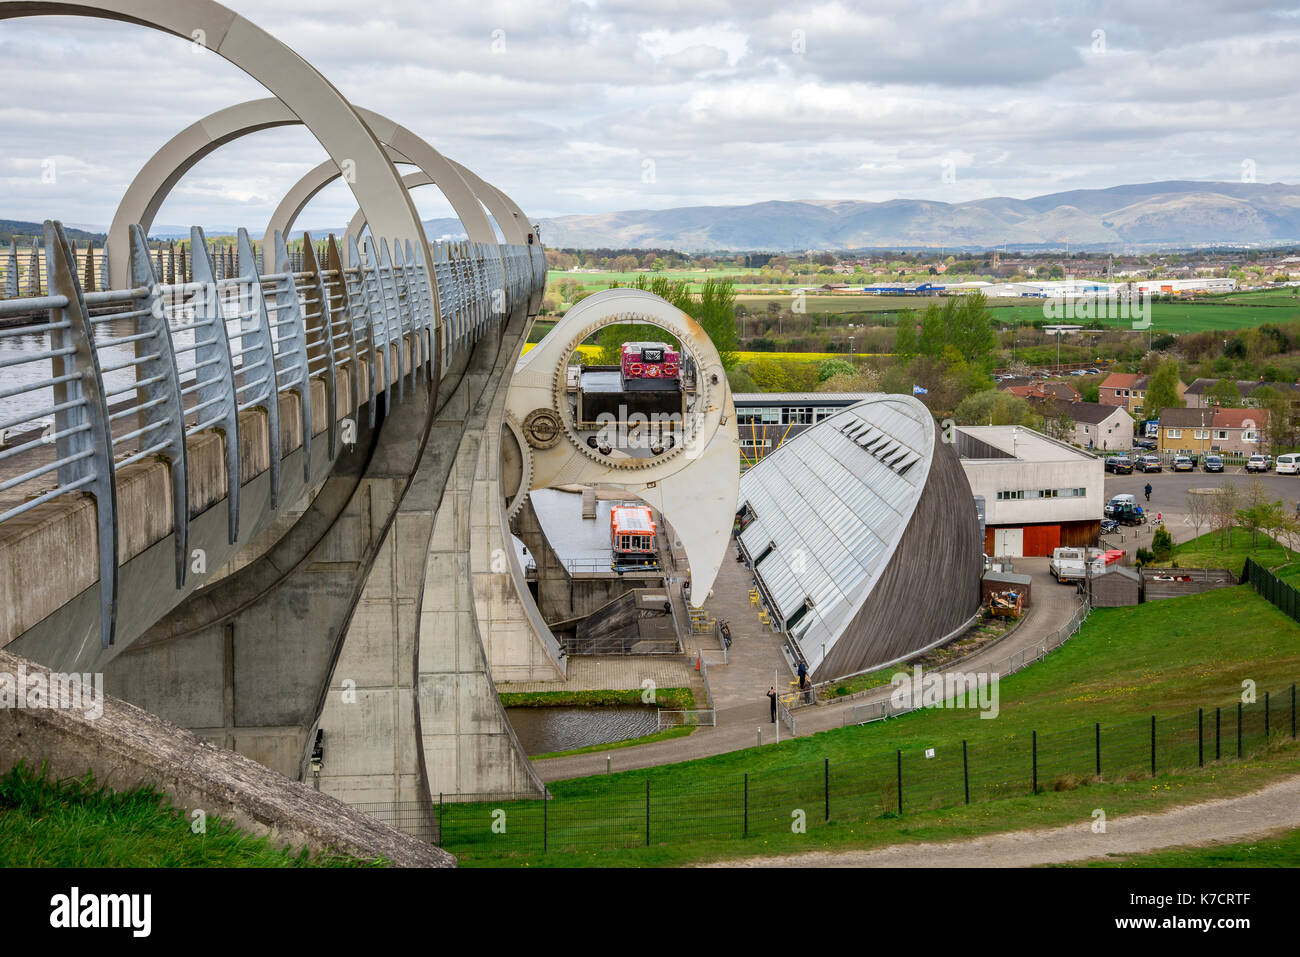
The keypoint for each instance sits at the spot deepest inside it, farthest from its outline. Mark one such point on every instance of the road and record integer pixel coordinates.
(744, 724)
(1250, 816)
(1169, 498)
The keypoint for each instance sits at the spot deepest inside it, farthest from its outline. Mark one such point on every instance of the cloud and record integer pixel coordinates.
(562, 102)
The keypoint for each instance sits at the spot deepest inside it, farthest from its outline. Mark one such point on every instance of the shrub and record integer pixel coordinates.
(1162, 543)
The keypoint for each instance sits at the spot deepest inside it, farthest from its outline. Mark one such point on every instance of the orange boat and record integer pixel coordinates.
(632, 537)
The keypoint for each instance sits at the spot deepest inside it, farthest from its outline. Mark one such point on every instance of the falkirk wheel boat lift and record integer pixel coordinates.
(353, 613)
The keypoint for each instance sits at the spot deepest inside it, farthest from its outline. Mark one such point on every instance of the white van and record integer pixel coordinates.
(1288, 464)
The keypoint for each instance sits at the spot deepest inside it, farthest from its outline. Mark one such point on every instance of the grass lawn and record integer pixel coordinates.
(1164, 658)
(45, 823)
(1281, 850)
(1212, 550)
(1179, 317)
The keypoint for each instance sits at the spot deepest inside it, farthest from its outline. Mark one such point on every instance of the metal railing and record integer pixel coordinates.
(1009, 664)
(1281, 594)
(876, 783)
(96, 381)
(698, 717)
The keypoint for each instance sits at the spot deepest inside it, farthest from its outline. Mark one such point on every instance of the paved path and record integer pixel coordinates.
(741, 724)
(1276, 807)
(612, 673)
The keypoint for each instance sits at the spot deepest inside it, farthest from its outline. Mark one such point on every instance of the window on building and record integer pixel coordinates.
(796, 416)
(1202, 433)
(771, 415)
(1220, 433)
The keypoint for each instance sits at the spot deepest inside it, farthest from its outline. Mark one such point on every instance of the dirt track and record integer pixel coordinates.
(1276, 807)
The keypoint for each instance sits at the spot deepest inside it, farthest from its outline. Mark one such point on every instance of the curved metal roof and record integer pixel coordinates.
(830, 508)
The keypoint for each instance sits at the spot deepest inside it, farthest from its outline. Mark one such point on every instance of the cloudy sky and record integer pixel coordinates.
(628, 104)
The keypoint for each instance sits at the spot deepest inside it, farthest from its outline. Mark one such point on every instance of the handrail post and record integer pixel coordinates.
(92, 411)
(363, 325)
(169, 414)
(321, 319)
(288, 309)
(257, 328)
(334, 264)
(220, 389)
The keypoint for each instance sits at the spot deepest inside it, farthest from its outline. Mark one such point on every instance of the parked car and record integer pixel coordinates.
(1257, 463)
(1071, 564)
(1288, 464)
(1150, 463)
(1183, 463)
(1118, 502)
(1126, 513)
(1144, 443)
(1213, 464)
(1119, 464)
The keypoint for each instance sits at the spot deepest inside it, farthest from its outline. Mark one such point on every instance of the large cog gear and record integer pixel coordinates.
(559, 394)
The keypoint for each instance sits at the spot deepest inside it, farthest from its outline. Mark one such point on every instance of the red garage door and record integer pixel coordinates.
(1042, 539)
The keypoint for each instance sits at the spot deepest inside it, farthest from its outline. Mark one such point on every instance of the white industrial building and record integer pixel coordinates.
(1039, 494)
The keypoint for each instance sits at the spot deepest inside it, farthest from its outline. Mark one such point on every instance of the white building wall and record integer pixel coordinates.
(988, 477)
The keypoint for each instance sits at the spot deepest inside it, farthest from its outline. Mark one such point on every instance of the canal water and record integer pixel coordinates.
(32, 344)
(542, 730)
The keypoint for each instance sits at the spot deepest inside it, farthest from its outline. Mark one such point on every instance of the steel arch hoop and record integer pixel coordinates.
(165, 168)
(302, 90)
(502, 207)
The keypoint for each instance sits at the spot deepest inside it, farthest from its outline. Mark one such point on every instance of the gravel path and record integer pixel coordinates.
(1276, 807)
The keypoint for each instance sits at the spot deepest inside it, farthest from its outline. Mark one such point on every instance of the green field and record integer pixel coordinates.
(45, 823)
(596, 281)
(1282, 850)
(1212, 550)
(1178, 317)
(1163, 658)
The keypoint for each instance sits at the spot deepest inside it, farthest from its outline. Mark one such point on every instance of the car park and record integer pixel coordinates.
(1288, 464)
(1150, 463)
(1257, 463)
(1119, 464)
(1183, 463)
(1213, 464)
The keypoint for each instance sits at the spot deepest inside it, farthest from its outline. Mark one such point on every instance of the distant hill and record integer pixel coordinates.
(18, 227)
(1169, 214)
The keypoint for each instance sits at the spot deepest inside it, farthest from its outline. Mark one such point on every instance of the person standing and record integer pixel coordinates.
(771, 697)
(803, 676)
(1148, 491)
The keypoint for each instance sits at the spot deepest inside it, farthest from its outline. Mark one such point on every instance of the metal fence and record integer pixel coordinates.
(699, 717)
(1283, 595)
(622, 811)
(98, 380)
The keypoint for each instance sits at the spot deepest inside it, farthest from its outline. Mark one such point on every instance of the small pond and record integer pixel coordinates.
(542, 730)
